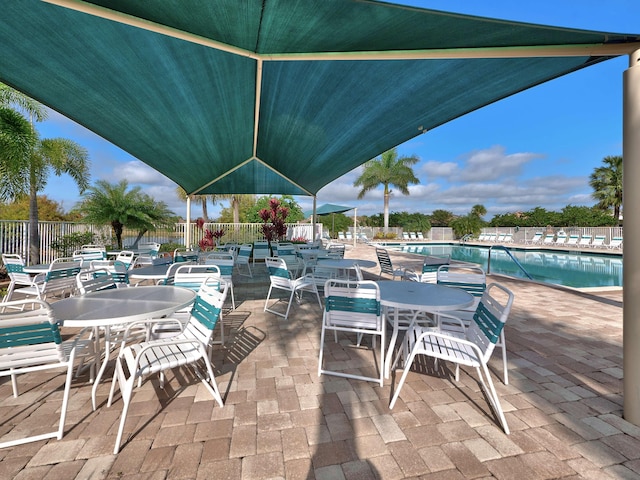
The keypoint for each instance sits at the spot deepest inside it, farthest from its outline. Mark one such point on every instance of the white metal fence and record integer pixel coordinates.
(14, 235)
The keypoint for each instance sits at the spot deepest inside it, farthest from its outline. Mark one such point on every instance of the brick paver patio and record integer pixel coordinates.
(280, 420)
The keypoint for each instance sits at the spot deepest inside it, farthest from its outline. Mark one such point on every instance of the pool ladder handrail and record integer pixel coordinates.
(515, 260)
(465, 238)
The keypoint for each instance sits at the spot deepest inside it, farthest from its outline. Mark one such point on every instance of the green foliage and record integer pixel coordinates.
(170, 247)
(468, 224)
(571, 215)
(246, 204)
(441, 218)
(385, 236)
(66, 245)
(606, 182)
(116, 205)
(295, 212)
(48, 210)
(337, 222)
(387, 170)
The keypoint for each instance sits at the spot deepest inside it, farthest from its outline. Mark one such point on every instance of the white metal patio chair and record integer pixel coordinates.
(281, 279)
(386, 266)
(30, 341)
(352, 307)
(125, 257)
(225, 265)
(188, 347)
(549, 239)
(243, 258)
(20, 281)
(454, 343)
(260, 250)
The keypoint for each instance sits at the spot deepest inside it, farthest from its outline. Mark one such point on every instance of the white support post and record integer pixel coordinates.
(187, 230)
(631, 259)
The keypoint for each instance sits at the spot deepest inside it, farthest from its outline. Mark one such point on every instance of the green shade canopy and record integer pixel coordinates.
(328, 209)
(274, 96)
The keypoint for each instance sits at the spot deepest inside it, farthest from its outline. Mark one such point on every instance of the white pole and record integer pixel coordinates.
(314, 219)
(631, 258)
(355, 226)
(187, 230)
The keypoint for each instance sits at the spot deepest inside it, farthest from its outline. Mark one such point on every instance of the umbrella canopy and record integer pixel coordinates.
(274, 96)
(328, 209)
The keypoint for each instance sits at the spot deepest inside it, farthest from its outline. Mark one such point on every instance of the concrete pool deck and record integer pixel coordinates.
(280, 420)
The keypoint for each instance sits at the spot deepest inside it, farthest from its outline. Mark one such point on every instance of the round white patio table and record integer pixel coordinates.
(151, 272)
(345, 263)
(428, 297)
(118, 306)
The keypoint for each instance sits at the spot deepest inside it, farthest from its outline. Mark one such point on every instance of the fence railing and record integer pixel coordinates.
(14, 235)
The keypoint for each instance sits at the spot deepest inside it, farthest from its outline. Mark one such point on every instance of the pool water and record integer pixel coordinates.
(568, 268)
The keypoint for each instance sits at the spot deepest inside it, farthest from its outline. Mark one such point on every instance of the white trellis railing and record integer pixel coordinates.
(14, 235)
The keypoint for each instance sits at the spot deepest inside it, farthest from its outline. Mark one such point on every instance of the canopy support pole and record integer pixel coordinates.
(631, 258)
(355, 227)
(187, 229)
(314, 219)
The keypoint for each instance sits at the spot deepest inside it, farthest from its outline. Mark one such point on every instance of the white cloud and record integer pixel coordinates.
(440, 169)
(493, 163)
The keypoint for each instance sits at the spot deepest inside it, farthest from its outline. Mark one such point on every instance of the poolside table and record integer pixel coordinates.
(104, 309)
(417, 296)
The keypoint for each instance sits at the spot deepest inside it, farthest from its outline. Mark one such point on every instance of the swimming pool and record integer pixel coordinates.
(561, 267)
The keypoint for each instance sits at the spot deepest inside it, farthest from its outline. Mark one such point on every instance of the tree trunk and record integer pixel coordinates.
(236, 209)
(34, 233)
(387, 194)
(205, 215)
(117, 229)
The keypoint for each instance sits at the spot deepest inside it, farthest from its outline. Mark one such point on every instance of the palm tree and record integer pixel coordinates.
(606, 182)
(203, 199)
(478, 210)
(26, 160)
(387, 170)
(116, 205)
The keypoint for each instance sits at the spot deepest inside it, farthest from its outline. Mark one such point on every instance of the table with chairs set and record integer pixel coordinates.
(151, 328)
(453, 316)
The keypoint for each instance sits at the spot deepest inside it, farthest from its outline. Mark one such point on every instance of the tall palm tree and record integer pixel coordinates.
(388, 169)
(606, 182)
(26, 161)
(115, 204)
(203, 199)
(478, 210)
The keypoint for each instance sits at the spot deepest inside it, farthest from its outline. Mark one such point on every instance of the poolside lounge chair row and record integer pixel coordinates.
(496, 237)
(561, 238)
(412, 236)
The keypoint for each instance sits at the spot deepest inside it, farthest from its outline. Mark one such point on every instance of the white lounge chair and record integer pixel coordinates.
(616, 242)
(561, 238)
(573, 239)
(585, 241)
(548, 239)
(537, 238)
(598, 241)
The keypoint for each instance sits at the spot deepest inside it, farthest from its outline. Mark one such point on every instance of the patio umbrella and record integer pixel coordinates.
(331, 209)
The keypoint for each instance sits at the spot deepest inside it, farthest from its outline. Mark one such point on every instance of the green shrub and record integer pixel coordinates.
(170, 247)
(66, 245)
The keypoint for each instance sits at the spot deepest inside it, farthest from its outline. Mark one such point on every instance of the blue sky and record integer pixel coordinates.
(536, 148)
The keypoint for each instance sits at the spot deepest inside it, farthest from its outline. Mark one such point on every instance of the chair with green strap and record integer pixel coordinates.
(190, 346)
(470, 346)
(352, 307)
(280, 278)
(30, 341)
